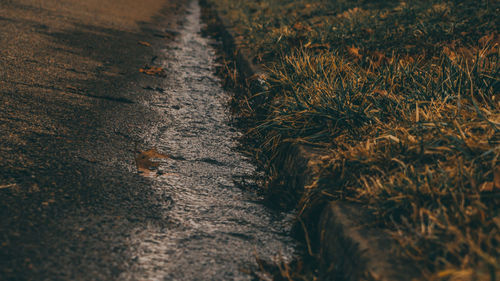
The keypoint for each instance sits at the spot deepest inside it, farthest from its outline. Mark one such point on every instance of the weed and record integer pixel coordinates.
(405, 97)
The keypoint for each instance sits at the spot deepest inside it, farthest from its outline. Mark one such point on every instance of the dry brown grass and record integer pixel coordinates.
(405, 97)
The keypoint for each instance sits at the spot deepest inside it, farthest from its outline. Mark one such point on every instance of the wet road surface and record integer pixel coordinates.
(215, 229)
(76, 109)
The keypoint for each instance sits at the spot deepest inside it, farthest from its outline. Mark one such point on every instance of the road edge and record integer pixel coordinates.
(348, 246)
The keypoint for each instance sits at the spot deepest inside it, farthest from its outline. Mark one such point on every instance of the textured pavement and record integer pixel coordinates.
(71, 116)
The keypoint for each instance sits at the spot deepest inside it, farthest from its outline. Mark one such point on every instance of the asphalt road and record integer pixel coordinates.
(71, 115)
(75, 111)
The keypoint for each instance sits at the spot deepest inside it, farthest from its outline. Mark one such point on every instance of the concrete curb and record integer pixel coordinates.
(349, 248)
(355, 248)
(251, 73)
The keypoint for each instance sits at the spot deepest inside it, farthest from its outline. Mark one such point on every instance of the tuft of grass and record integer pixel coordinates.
(404, 96)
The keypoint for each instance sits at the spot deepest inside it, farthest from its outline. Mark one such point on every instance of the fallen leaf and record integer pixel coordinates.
(301, 27)
(153, 153)
(353, 51)
(451, 54)
(144, 43)
(144, 159)
(153, 70)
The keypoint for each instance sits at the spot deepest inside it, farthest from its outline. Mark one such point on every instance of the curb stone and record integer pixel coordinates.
(354, 248)
(349, 248)
(252, 74)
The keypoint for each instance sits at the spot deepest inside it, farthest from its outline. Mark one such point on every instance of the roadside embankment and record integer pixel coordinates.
(380, 123)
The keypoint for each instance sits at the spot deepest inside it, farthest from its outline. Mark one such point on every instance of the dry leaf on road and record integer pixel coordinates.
(153, 70)
(144, 162)
(144, 43)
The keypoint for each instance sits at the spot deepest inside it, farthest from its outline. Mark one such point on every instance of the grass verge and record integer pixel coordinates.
(404, 96)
